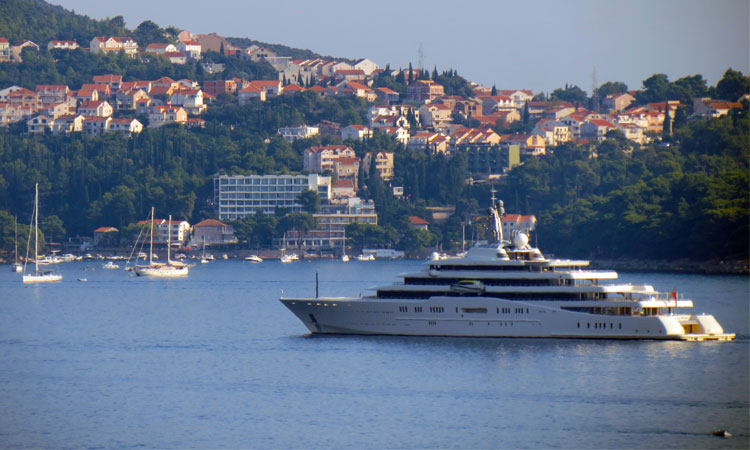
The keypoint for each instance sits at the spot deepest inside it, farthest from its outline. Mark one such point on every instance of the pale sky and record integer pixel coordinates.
(535, 44)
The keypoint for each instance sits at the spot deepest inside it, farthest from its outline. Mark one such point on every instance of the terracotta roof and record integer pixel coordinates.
(105, 229)
(209, 223)
(418, 221)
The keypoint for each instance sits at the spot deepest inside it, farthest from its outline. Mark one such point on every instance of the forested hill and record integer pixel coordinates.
(42, 22)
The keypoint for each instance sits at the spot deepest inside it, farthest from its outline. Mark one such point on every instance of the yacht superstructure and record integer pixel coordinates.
(509, 289)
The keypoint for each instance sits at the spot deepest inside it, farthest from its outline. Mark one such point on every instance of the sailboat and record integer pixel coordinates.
(16, 266)
(287, 258)
(170, 269)
(37, 277)
(344, 256)
(204, 260)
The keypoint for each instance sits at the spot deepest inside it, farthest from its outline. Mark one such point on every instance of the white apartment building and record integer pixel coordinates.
(239, 196)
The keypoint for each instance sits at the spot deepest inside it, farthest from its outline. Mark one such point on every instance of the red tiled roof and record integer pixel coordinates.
(418, 221)
(209, 223)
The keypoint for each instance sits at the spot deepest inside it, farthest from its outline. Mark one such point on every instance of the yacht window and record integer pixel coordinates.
(474, 310)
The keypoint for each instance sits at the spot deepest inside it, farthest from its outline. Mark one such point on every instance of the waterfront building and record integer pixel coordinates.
(240, 196)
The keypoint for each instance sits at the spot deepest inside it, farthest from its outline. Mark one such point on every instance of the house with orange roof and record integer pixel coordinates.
(139, 84)
(113, 81)
(102, 90)
(128, 99)
(387, 95)
(292, 89)
(212, 232)
(347, 168)
(424, 91)
(519, 96)
(349, 75)
(517, 223)
(160, 48)
(554, 132)
(356, 89)
(319, 159)
(708, 108)
(163, 114)
(497, 103)
(366, 66)
(217, 87)
(617, 102)
(597, 129)
(52, 93)
(435, 115)
(190, 99)
(343, 189)
(419, 223)
(98, 108)
(100, 234)
(191, 48)
(260, 89)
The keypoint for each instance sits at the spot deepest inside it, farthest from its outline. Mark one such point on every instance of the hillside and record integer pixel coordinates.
(41, 22)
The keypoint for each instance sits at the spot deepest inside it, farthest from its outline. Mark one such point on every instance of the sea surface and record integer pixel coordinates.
(216, 361)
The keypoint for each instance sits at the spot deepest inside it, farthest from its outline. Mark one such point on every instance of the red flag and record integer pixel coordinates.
(674, 295)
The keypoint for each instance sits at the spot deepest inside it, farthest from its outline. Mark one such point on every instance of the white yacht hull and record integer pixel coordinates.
(489, 317)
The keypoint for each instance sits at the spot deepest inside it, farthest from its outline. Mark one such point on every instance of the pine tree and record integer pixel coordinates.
(221, 49)
(494, 91)
(411, 74)
(434, 73)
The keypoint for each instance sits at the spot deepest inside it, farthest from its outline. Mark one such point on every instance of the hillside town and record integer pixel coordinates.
(425, 119)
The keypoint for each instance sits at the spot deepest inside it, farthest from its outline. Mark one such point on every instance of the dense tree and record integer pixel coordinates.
(572, 94)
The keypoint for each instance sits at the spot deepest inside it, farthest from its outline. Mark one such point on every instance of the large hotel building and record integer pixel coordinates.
(239, 196)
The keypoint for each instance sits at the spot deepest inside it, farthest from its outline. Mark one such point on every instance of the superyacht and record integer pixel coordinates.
(510, 289)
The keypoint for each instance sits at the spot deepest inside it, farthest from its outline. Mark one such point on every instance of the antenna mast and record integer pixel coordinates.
(420, 57)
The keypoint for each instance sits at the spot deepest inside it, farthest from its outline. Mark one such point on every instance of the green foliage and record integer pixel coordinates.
(611, 87)
(658, 88)
(310, 201)
(732, 86)
(572, 94)
(689, 200)
(41, 22)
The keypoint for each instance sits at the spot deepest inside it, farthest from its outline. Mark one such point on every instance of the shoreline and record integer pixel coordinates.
(726, 267)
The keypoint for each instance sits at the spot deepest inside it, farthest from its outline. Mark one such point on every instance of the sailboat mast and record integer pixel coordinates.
(36, 228)
(169, 239)
(151, 244)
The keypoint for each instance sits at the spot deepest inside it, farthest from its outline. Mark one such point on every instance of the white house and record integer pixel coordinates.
(357, 132)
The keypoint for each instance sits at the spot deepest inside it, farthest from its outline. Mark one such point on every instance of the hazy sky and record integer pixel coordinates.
(535, 44)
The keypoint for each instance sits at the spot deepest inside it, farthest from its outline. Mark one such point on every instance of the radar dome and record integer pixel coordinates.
(520, 240)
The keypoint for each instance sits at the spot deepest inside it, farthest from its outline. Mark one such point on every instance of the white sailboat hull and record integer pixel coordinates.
(488, 317)
(42, 278)
(162, 271)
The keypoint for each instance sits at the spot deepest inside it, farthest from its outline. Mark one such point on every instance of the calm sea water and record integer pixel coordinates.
(215, 361)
